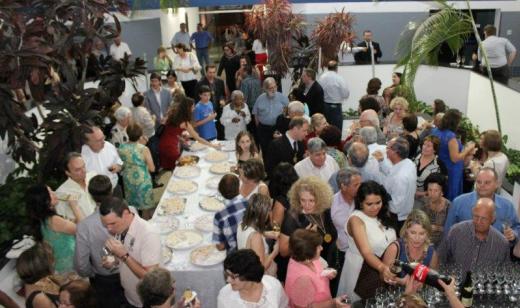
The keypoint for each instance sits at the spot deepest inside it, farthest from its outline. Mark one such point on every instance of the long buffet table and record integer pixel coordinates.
(205, 279)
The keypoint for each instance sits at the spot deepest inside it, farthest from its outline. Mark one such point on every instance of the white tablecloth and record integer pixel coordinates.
(206, 281)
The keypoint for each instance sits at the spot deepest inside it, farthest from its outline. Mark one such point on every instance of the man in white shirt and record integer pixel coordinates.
(400, 179)
(369, 135)
(181, 37)
(335, 92)
(76, 186)
(119, 48)
(348, 180)
(101, 157)
(318, 163)
(500, 53)
(135, 245)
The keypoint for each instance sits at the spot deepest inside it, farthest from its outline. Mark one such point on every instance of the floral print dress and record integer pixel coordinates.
(136, 177)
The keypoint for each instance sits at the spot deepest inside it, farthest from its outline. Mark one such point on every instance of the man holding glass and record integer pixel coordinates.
(135, 246)
(486, 184)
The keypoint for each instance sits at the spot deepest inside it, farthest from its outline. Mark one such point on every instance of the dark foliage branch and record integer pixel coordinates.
(275, 25)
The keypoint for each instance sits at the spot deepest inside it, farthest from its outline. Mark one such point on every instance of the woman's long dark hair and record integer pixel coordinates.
(38, 208)
(374, 188)
(282, 179)
(181, 112)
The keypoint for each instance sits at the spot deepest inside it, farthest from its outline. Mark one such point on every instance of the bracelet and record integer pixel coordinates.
(125, 257)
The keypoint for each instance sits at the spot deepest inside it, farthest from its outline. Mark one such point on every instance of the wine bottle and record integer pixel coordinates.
(466, 291)
(421, 273)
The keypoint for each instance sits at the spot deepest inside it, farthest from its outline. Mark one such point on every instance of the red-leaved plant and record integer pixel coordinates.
(274, 23)
(331, 32)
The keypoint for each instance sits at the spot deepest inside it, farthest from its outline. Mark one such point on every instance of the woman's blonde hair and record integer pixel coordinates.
(316, 120)
(417, 217)
(315, 186)
(399, 101)
(411, 301)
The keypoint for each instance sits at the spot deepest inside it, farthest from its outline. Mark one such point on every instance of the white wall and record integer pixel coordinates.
(430, 83)
(481, 110)
(459, 88)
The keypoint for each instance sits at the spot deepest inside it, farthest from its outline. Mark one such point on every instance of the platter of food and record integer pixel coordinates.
(182, 187)
(207, 255)
(183, 239)
(187, 172)
(188, 160)
(216, 156)
(172, 206)
(211, 204)
(197, 146)
(204, 223)
(221, 168)
(213, 182)
(165, 224)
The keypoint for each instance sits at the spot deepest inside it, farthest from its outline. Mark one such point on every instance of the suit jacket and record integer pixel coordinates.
(313, 98)
(217, 94)
(280, 150)
(150, 103)
(363, 57)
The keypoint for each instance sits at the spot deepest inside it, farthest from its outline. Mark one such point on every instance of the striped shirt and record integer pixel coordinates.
(463, 248)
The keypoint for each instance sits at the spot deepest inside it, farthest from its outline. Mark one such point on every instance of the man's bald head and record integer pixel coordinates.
(369, 118)
(483, 215)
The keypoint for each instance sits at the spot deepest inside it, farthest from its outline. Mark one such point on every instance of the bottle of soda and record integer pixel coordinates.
(466, 291)
(421, 273)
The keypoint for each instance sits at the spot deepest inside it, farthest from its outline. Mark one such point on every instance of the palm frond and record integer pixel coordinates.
(421, 44)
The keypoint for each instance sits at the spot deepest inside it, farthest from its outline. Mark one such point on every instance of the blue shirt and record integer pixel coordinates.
(267, 109)
(463, 205)
(225, 222)
(207, 130)
(202, 39)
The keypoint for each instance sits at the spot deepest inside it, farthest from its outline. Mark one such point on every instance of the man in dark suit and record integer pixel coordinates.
(363, 57)
(157, 100)
(310, 92)
(289, 147)
(218, 95)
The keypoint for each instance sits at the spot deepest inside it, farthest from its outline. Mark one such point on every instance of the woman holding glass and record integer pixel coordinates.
(451, 152)
(414, 245)
(307, 283)
(368, 237)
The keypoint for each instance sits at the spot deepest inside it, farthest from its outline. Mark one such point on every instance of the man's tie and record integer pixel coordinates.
(295, 146)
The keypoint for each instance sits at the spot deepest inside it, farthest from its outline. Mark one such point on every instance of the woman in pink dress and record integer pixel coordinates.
(178, 120)
(307, 281)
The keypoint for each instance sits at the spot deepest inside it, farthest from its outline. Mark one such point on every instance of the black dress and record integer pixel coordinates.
(292, 222)
(231, 66)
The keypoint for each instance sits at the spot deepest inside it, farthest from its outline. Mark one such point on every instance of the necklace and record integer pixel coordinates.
(327, 238)
(416, 260)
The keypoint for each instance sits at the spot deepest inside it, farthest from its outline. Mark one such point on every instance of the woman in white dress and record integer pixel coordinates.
(371, 205)
(251, 231)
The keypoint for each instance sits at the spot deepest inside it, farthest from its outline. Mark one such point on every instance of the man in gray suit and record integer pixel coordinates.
(157, 100)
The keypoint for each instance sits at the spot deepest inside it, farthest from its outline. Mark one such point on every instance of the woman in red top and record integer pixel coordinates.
(178, 120)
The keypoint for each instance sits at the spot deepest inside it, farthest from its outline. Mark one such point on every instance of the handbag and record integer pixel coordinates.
(370, 281)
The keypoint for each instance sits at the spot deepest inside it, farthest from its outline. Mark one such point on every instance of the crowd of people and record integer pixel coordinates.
(308, 213)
